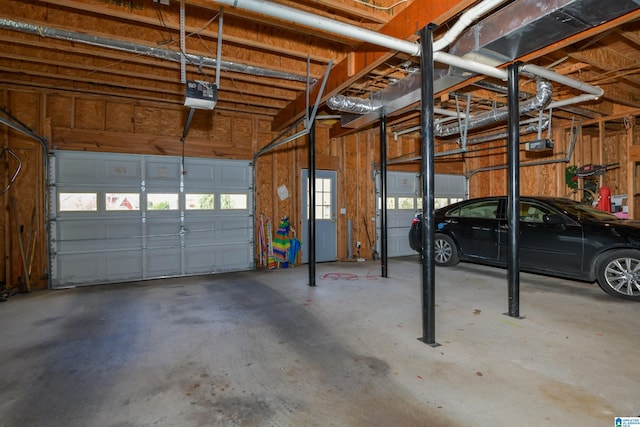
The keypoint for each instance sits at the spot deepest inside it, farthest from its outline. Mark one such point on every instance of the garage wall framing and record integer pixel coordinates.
(84, 123)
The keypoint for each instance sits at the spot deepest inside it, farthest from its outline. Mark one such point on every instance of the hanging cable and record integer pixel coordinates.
(17, 171)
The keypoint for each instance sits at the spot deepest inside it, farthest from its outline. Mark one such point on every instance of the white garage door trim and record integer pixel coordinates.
(147, 219)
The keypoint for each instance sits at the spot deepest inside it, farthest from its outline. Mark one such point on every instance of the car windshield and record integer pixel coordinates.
(582, 211)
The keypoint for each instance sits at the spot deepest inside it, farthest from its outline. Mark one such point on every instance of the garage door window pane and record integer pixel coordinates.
(233, 201)
(406, 203)
(199, 201)
(391, 202)
(78, 202)
(122, 201)
(162, 201)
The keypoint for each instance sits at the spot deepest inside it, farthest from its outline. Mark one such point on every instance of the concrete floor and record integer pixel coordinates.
(264, 349)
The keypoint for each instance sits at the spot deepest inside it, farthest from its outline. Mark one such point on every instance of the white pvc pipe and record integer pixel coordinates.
(559, 78)
(304, 18)
(325, 24)
(314, 21)
(465, 21)
(575, 100)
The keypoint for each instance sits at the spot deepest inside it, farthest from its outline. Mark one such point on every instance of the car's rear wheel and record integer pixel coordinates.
(446, 251)
(619, 274)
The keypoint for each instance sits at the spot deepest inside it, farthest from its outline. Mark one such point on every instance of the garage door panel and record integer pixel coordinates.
(199, 175)
(123, 172)
(162, 262)
(200, 232)
(230, 230)
(162, 229)
(200, 259)
(231, 256)
(123, 265)
(143, 226)
(162, 173)
(230, 175)
(79, 169)
(79, 269)
(403, 201)
(79, 230)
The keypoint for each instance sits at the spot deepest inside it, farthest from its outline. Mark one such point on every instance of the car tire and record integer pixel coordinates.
(618, 274)
(445, 251)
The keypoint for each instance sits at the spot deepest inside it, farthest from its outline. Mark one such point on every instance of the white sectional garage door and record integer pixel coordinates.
(404, 200)
(117, 217)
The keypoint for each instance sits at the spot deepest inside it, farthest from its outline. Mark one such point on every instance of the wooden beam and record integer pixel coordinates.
(634, 153)
(633, 159)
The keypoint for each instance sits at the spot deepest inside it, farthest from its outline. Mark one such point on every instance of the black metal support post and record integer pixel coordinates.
(383, 195)
(312, 205)
(428, 179)
(513, 204)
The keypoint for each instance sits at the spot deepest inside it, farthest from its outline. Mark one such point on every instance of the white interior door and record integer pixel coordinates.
(325, 210)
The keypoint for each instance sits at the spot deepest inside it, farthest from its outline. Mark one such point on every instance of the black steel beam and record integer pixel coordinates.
(312, 205)
(428, 184)
(383, 195)
(513, 203)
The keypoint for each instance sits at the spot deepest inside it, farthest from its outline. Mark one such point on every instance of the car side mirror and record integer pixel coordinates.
(552, 219)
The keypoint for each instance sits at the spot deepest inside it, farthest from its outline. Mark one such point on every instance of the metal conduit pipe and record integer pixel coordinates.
(138, 49)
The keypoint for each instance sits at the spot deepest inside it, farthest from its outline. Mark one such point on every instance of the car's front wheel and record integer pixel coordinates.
(619, 274)
(446, 251)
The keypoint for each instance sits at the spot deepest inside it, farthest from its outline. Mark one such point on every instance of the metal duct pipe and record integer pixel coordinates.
(515, 30)
(538, 102)
(534, 127)
(351, 104)
(450, 116)
(137, 49)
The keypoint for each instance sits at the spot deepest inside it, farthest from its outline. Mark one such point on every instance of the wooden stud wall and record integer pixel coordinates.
(27, 192)
(111, 124)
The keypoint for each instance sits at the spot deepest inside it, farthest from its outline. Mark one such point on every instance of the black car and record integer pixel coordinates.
(558, 237)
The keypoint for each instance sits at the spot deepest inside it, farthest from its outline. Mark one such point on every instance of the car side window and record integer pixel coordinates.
(530, 212)
(483, 209)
